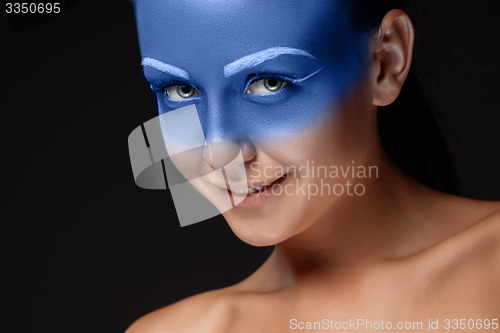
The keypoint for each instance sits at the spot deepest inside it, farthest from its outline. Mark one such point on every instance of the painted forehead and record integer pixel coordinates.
(199, 34)
(239, 65)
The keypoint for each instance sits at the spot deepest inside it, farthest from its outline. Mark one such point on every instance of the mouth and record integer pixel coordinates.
(257, 189)
(255, 197)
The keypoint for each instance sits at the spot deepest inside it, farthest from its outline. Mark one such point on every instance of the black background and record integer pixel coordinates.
(85, 250)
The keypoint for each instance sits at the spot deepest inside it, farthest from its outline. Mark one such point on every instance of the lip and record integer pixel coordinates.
(257, 199)
(254, 185)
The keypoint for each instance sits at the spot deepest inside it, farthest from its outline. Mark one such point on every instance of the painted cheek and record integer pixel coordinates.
(303, 106)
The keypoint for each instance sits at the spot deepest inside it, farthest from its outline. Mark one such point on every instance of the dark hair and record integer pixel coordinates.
(409, 128)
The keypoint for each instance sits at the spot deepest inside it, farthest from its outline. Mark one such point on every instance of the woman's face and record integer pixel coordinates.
(287, 83)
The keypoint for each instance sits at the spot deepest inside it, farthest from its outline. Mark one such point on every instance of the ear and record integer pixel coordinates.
(392, 48)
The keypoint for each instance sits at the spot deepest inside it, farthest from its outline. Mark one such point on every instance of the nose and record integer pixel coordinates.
(220, 154)
(224, 131)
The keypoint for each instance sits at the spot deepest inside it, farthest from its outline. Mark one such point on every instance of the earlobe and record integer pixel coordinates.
(392, 54)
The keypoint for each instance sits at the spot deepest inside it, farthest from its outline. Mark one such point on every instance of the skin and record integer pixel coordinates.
(401, 252)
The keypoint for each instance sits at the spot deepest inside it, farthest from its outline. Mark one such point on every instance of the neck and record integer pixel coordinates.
(386, 223)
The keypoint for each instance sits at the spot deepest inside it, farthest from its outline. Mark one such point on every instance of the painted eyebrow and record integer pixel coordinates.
(165, 68)
(259, 57)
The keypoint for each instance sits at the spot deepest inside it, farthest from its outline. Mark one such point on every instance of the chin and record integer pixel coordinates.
(262, 221)
(265, 231)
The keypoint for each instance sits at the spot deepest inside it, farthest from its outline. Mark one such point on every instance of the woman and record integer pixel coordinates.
(296, 88)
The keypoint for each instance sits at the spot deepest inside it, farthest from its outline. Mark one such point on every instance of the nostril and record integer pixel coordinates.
(248, 151)
(207, 155)
(220, 154)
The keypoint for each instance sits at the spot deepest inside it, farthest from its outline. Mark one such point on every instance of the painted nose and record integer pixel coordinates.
(220, 154)
(224, 133)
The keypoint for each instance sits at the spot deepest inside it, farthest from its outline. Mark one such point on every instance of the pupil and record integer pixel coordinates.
(185, 91)
(272, 84)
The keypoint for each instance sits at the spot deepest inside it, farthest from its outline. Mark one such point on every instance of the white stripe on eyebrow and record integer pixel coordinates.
(166, 68)
(257, 58)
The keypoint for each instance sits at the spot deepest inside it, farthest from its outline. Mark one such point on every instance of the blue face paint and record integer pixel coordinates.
(254, 68)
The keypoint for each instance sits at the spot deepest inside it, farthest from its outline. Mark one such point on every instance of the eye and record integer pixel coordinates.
(266, 86)
(181, 92)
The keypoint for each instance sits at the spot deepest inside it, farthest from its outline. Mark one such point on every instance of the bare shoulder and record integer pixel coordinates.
(483, 238)
(207, 312)
(467, 266)
(479, 245)
(483, 261)
(213, 311)
(479, 239)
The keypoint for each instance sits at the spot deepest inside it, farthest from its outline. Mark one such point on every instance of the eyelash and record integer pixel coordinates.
(161, 86)
(262, 76)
